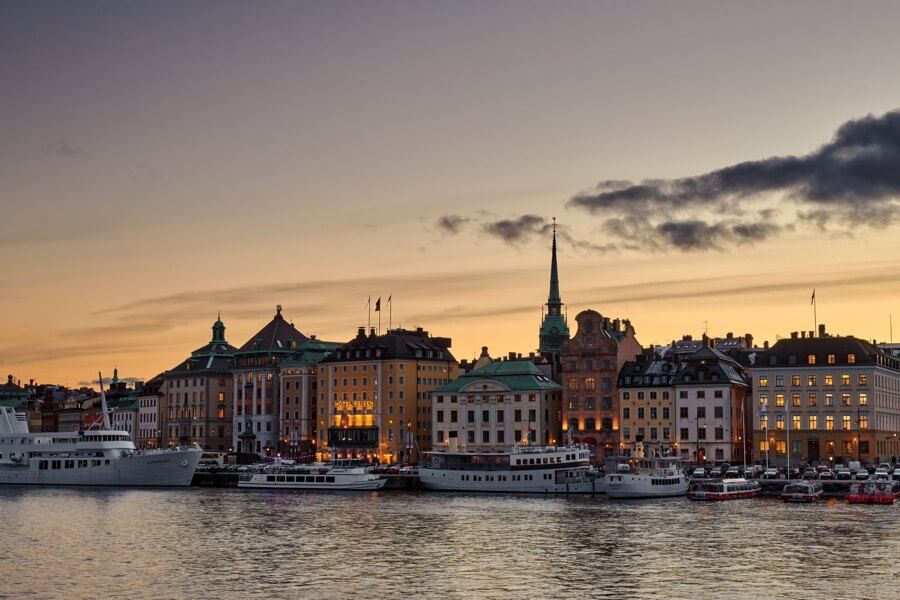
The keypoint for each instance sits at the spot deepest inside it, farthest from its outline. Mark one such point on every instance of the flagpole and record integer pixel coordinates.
(369, 306)
(815, 316)
(390, 312)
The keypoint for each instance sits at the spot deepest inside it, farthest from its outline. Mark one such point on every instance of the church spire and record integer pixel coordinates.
(554, 299)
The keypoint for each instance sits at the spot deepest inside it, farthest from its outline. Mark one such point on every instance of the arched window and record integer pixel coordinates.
(590, 383)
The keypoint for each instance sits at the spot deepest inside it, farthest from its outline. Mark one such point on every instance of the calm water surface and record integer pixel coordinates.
(199, 543)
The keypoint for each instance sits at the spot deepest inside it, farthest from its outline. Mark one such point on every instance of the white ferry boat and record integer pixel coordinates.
(726, 489)
(523, 469)
(349, 474)
(802, 491)
(642, 477)
(93, 457)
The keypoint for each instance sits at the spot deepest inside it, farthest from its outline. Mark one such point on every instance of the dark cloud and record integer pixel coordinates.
(65, 149)
(452, 224)
(854, 180)
(517, 230)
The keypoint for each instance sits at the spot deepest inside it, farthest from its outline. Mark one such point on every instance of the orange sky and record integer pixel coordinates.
(160, 163)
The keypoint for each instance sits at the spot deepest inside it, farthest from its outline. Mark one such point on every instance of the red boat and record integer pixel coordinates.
(873, 492)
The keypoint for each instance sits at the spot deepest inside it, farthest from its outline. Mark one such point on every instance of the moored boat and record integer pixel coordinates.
(522, 469)
(726, 489)
(802, 491)
(655, 477)
(339, 475)
(873, 492)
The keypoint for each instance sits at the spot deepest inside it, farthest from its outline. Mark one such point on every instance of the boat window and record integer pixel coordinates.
(280, 478)
(270, 478)
(291, 478)
(320, 479)
(329, 479)
(56, 464)
(42, 465)
(310, 479)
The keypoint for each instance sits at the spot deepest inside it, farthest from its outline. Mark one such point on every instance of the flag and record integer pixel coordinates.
(378, 304)
(813, 299)
(369, 302)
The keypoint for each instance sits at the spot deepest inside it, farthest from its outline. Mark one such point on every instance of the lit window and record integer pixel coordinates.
(763, 380)
(845, 380)
(829, 380)
(863, 379)
(813, 422)
(863, 399)
(863, 421)
(795, 399)
(829, 422)
(812, 399)
(779, 422)
(795, 422)
(779, 399)
(763, 399)
(831, 359)
(811, 381)
(811, 359)
(851, 358)
(845, 422)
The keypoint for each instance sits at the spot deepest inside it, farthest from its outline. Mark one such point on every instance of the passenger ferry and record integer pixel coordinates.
(341, 474)
(93, 457)
(523, 469)
(726, 489)
(873, 492)
(655, 477)
(802, 491)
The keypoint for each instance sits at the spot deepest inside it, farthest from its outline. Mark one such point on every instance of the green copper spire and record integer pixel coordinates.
(554, 274)
(554, 329)
(218, 330)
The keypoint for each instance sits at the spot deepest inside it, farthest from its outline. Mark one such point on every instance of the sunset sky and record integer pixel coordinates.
(162, 161)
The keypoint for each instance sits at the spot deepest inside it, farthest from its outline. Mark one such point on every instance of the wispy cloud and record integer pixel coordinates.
(65, 149)
(452, 224)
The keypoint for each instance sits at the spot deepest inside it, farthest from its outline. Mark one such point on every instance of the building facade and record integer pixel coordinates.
(373, 394)
(257, 387)
(198, 393)
(646, 388)
(590, 365)
(299, 398)
(495, 407)
(150, 403)
(826, 398)
(711, 394)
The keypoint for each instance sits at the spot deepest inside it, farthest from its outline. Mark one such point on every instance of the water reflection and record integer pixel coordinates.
(57, 543)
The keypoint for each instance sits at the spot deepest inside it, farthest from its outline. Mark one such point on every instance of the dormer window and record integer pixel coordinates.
(811, 359)
(851, 358)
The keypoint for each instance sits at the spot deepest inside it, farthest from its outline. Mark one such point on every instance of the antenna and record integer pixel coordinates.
(103, 402)
(706, 327)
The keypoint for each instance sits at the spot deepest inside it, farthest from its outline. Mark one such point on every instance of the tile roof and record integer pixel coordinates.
(396, 343)
(277, 336)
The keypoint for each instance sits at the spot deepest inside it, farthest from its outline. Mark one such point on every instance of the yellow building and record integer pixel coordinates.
(647, 405)
(373, 394)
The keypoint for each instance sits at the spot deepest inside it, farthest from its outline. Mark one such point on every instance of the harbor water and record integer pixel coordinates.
(227, 543)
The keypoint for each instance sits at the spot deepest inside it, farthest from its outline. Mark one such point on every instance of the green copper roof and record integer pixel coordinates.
(11, 402)
(517, 375)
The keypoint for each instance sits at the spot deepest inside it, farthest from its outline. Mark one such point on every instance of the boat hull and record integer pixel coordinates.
(638, 490)
(721, 496)
(451, 481)
(367, 485)
(173, 468)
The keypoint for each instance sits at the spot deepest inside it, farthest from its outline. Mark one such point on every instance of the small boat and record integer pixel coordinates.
(656, 477)
(802, 491)
(726, 489)
(873, 492)
(339, 475)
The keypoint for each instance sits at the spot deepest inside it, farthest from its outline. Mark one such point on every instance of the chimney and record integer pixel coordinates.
(705, 340)
(748, 340)
(361, 332)
(512, 356)
(531, 355)
(372, 331)
(821, 329)
(802, 335)
(729, 335)
(812, 334)
(313, 337)
(766, 344)
(794, 335)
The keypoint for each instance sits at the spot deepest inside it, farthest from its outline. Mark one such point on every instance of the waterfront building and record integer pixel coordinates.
(554, 330)
(125, 415)
(495, 407)
(150, 404)
(299, 399)
(826, 397)
(711, 393)
(257, 386)
(198, 396)
(373, 394)
(591, 361)
(646, 390)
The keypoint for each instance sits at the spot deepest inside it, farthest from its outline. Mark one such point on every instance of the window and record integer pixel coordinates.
(719, 412)
(779, 380)
(795, 380)
(486, 436)
(654, 433)
(701, 412)
(829, 422)
(845, 379)
(779, 399)
(863, 399)
(665, 412)
(863, 379)
(590, 383)
(831, 359)
(763, 380)
(845, 399)
(781, 447)
(626, 395)
(573, 383)
(701, 433)
(846, 422)
(813, 422)
(720, 433)
(683, 434)
(779, 422)
(795, 422)
(795, 399)
(829, 380)
(763, 399)
(626, 412)
(653, 412)
(829, 399)
(590, 424)
(666, 434)
(811, 359)
(811, 380)
(573, 403)
(764, 446)
(764, 422)
(811, 400)
(640, 412)
(626, 433)
(683, 412)
(851, 358)
(863, 421)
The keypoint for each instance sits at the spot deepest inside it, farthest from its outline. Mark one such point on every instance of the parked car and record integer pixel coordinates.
(810, 473)
(771, 473)
(861, 475)
(793, 473)
(843, 473)
(733, 473)
(826, 474)
(715, 471)
(393, 470)
(699, 473)
(409, 470)
(881, 474)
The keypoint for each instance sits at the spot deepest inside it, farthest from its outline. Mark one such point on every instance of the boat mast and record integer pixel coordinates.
(103, 408)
